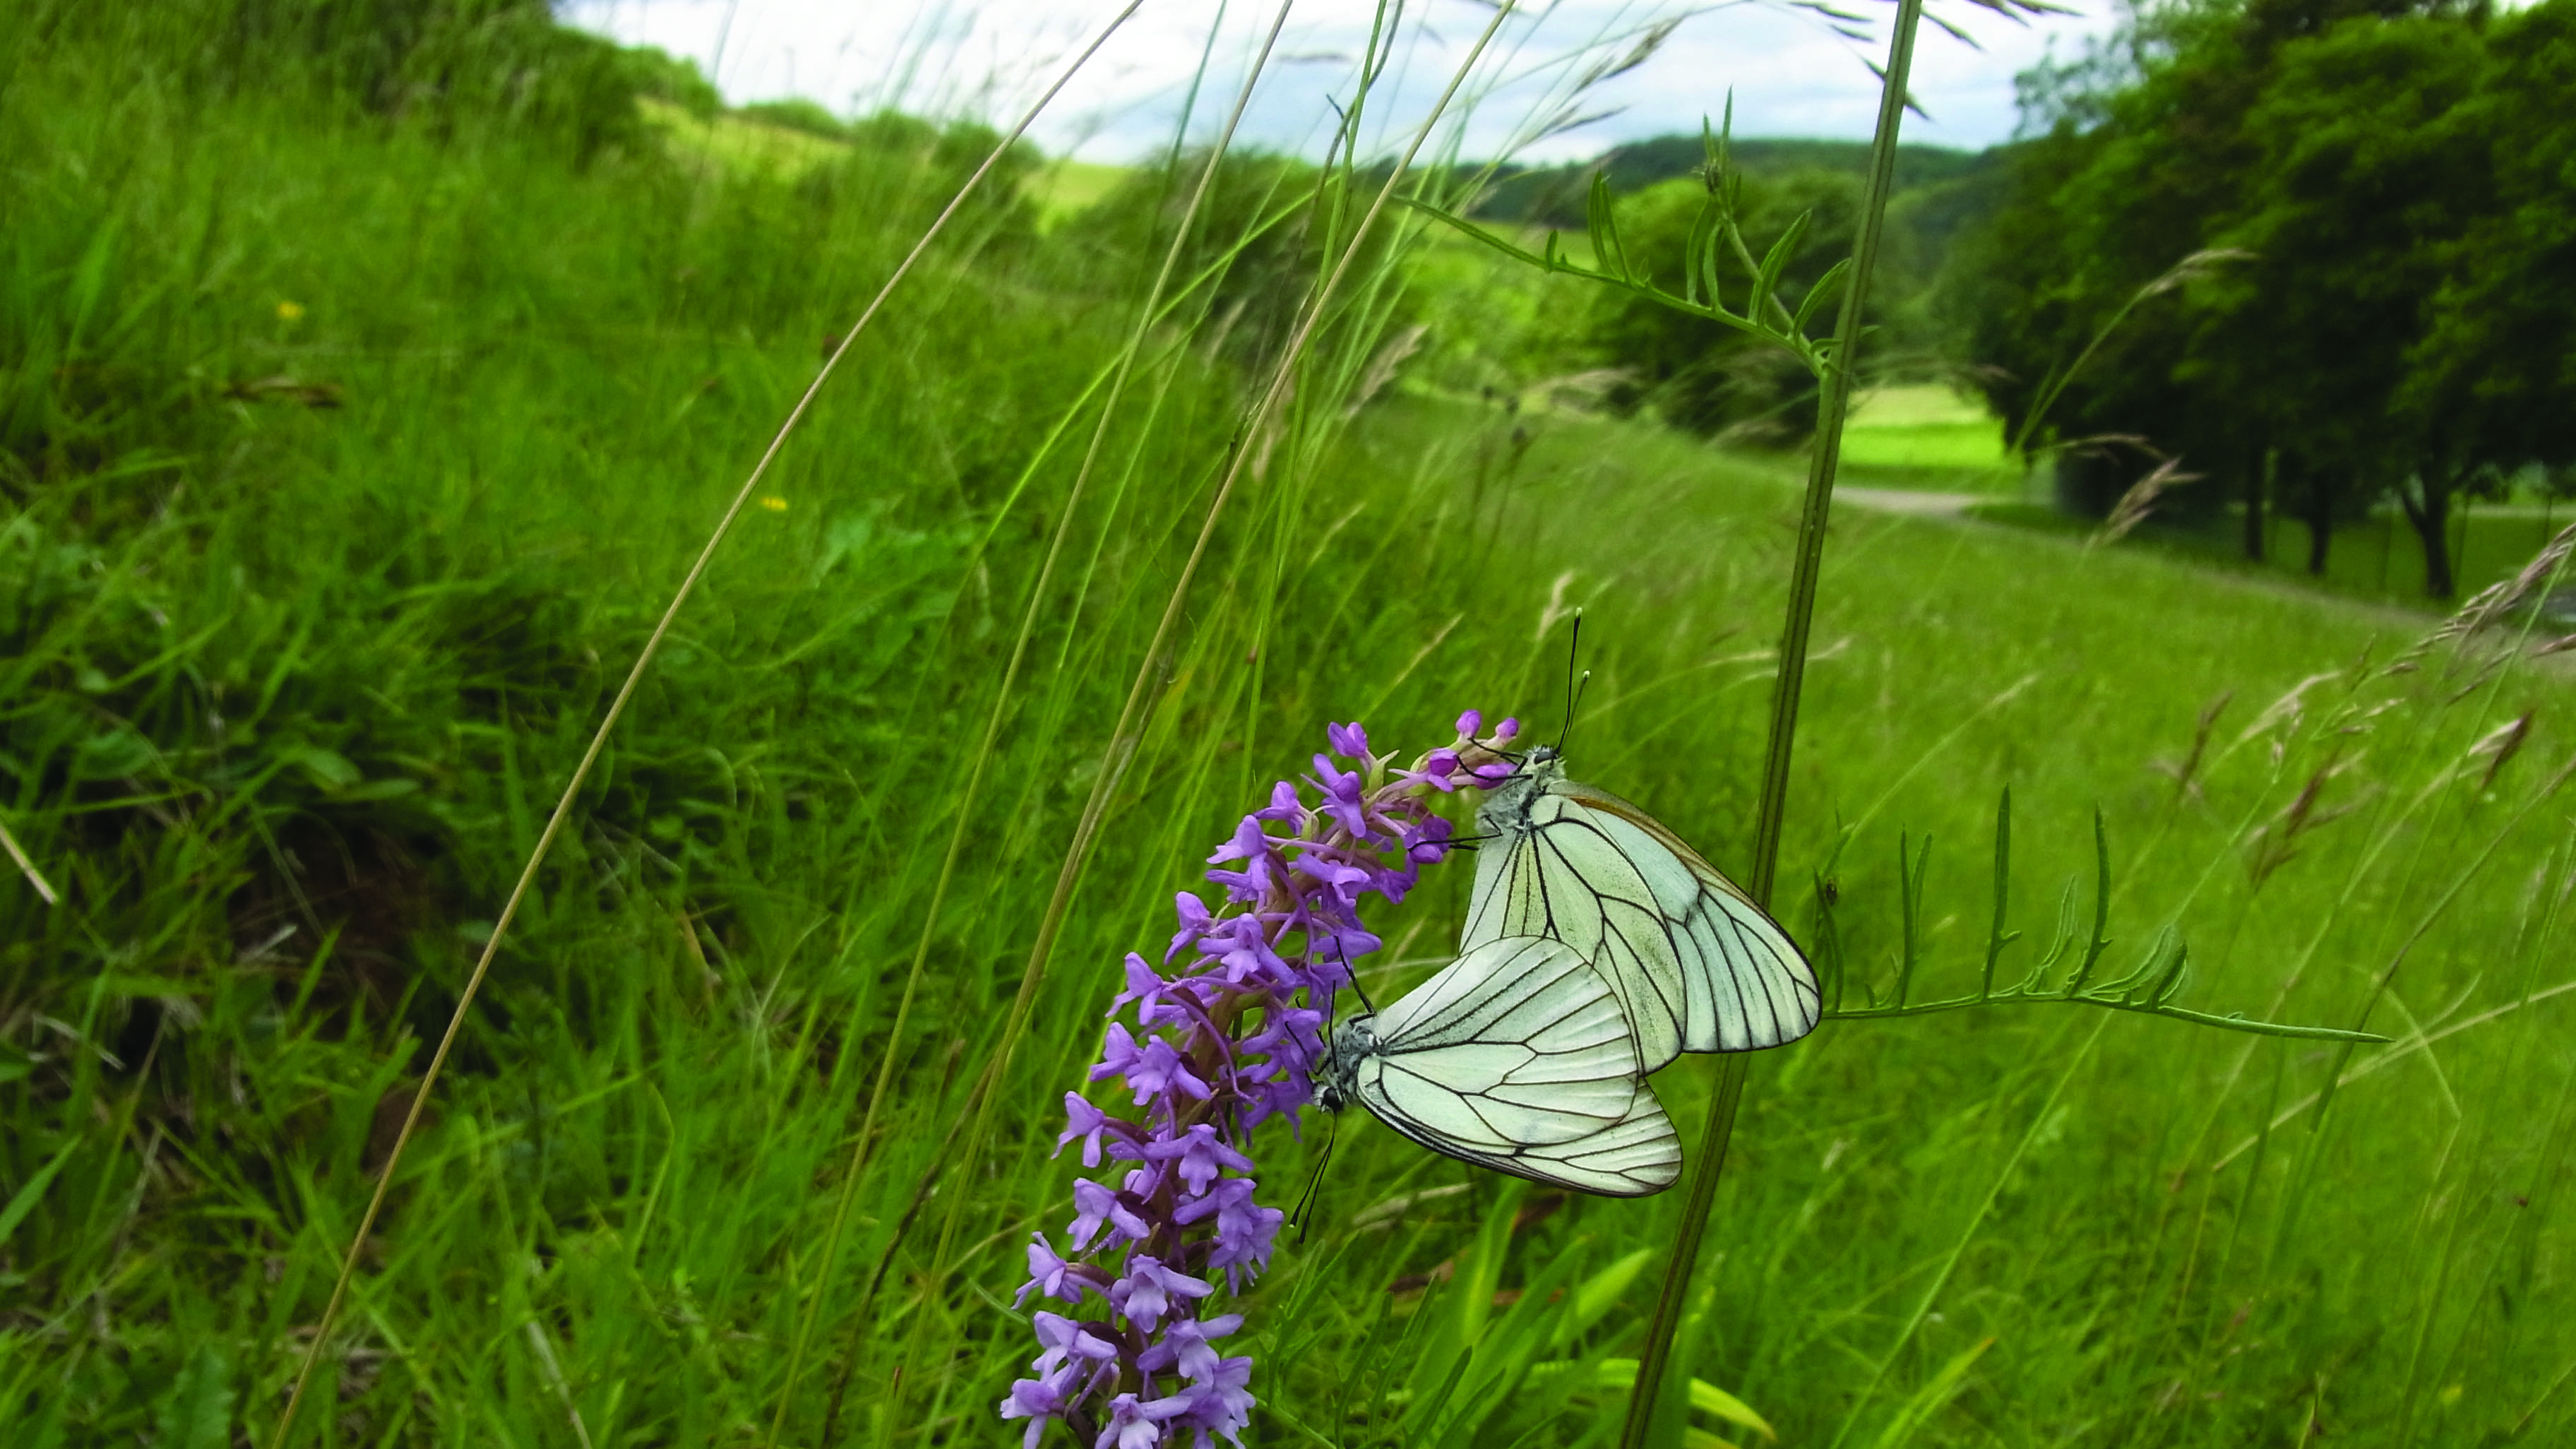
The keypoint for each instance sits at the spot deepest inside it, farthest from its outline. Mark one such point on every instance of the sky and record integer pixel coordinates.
(1790, 73)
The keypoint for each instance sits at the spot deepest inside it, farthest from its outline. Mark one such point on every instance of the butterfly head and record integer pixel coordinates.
(1505, 797)
(1354, 1040)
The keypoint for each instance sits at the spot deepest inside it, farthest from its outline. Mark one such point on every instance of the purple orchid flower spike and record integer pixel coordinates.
(1219, 1043)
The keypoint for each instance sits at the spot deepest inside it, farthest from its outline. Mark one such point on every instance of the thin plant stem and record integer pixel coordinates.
(617, 708)
(26, 867)
(1126, 734)
(993, 723)
(1835, 401)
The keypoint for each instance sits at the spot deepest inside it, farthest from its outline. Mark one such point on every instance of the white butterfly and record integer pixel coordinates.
(1695, 963)
(1516, 1056)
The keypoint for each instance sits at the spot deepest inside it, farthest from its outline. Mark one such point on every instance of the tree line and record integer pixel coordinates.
(2319, 253)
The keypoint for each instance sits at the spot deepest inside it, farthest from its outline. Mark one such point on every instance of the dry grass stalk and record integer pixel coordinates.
(2194, 267)
(1582, 391)
(2499, 745)
(2275, 843)
(552, 1371)
(1382, 368)
(879, 1089)
(2490, 603)
(2140, 501)
(2186, 775)
(27, 867)
(2286, 711)
(617, 709)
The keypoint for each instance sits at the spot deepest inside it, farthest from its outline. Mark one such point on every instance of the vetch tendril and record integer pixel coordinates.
(1226, 1040)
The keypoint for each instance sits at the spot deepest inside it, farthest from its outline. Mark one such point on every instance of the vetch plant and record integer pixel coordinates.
(1225, 1040)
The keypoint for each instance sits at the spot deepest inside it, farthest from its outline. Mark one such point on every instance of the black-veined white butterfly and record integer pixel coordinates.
(1516, 1056)
(1695, 963)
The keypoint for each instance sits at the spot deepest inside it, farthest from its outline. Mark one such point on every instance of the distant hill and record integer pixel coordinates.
(1940, 193)
(1554, 195)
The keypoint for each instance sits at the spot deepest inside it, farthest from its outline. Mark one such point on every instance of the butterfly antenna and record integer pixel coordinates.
(1353, 972)
(1573, 651)
(1361, 991)
(1577, 689)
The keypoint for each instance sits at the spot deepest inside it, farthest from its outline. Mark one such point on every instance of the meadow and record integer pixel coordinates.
(348, 464)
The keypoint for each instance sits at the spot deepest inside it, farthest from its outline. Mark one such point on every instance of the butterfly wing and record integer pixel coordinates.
(1637, 1155)
(1517, 1041)
(1698, 966)
(1517, 1057)
(1746, 984)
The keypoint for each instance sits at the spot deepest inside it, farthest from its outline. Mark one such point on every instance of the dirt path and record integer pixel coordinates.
(2399, 618)
(1907, 501)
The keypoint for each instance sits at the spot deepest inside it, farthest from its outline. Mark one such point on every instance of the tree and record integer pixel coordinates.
(2365, 178)
(2140, 151)
(2228, 122)
(2491, 385)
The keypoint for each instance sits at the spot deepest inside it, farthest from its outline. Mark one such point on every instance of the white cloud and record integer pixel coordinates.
(1791, 75)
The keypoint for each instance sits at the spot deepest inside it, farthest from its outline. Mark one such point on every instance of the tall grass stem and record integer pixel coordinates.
(1832, 407)
(1127, 731)
(617, 708)
(1001, 710)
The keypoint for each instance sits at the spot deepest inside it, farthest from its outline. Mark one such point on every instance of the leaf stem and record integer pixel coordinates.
(1834, 404)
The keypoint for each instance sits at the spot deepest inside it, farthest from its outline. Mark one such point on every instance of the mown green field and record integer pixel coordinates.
(1933, 431)
(310, 613)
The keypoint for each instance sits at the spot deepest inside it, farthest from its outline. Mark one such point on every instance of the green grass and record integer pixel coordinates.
(2378, 558)
(737, 142)
(1927, 437)
(1065, 186)
(289, 689)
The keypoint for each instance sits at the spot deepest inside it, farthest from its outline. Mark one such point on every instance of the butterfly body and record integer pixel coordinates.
(1695, 963)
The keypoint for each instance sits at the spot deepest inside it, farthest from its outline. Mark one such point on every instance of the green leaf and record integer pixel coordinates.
(1767, 285)
(1602, 218)
(328, 768)
(113, 755)
(1601, 1291)
(24, 1200)
(198, 1413)
(1708, 1398)
(1816, 295)
(1932, 1398)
